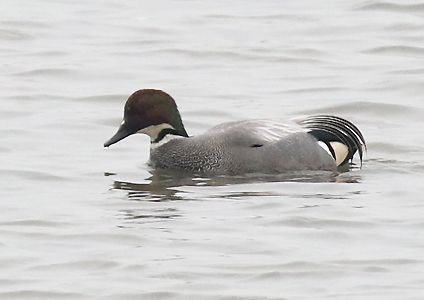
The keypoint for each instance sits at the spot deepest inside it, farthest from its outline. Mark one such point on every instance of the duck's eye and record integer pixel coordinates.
(256, 145)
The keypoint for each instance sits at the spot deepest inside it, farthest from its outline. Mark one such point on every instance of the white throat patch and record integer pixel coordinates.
(154, 130)
(165, 140)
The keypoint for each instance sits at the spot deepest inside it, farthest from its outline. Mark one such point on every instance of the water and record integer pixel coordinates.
(81, 222)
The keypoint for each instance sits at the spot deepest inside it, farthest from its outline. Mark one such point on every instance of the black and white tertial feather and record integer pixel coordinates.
(332, 130)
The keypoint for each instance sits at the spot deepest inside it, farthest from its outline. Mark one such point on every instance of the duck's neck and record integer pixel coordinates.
(164, 140)
(161, 132)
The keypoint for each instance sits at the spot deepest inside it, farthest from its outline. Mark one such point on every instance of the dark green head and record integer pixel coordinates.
(152, 112)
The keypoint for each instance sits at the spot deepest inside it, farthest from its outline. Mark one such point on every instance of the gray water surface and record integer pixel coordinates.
(82, 222)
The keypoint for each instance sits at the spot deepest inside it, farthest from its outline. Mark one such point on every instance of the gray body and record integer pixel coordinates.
(321, 142)
(250, 146)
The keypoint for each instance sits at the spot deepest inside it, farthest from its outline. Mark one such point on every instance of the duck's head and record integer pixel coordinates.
(152, 112)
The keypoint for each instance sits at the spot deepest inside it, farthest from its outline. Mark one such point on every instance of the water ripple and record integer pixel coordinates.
(397, 50)
(393, 7)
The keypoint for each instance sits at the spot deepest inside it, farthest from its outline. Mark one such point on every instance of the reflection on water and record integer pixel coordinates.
(160, 192)
(149, 192)
(311, 189)
(166, 213)
(162, 184)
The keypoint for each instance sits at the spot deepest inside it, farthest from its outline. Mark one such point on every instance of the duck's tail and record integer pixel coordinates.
(341, 137)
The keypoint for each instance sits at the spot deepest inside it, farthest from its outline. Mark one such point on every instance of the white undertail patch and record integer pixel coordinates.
(340, 150)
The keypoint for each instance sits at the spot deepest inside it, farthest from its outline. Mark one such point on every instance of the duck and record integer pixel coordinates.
(267, 146)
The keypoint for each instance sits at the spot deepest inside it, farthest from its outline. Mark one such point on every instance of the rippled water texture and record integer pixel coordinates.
(82, 222)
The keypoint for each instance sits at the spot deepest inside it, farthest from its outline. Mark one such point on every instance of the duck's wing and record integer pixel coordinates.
(256, 132)
(341, 138)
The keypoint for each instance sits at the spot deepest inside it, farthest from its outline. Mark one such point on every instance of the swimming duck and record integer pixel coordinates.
(320, 142)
